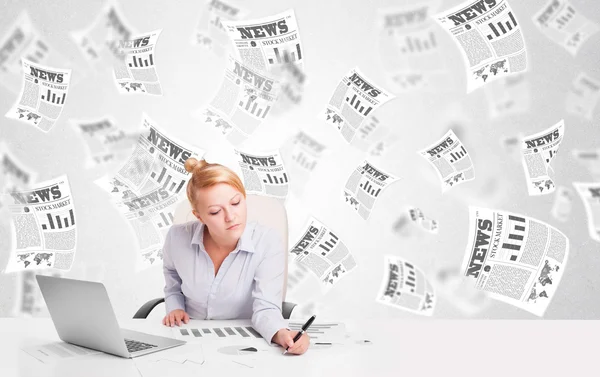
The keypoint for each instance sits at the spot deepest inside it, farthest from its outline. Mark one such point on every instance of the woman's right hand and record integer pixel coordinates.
(175, 317)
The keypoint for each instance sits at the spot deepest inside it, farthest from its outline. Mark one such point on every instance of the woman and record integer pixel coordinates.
(219, 267)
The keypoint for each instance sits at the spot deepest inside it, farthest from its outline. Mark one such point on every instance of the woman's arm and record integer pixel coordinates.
(268, 288)
(174, 298)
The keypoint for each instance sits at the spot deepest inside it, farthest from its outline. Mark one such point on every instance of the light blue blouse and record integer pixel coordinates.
(249, 282)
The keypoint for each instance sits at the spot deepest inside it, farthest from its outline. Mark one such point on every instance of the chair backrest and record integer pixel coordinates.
(263, 209)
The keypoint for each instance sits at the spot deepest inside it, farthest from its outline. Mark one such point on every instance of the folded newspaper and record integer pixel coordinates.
(516, 259)
(489, 37)
(404, 286)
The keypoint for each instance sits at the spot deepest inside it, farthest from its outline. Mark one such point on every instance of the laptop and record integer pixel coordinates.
(83, 315)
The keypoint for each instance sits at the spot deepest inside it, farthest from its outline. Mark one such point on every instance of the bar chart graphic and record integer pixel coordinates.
(285, 56)
(51, 97)
(256, 110)
(369, 189)
(272, 179)
(218, 332)
(565, 17)
(356, 103)
(304, 160)
(328, 244)
(418, 43)
(165, 219)
(167, 181)
(60, 221)
(502, 27)
(138, 62)
(455, 156)
(411, 276)
(516, 236)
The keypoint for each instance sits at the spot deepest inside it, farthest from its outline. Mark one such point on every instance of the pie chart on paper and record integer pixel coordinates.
(238, 350)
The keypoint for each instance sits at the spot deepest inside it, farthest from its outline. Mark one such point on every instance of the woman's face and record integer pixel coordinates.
(222, 209)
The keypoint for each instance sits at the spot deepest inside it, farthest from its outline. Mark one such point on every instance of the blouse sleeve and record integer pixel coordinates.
(268, 288)
(174, 298)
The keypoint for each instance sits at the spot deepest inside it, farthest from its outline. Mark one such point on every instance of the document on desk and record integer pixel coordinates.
(322, 331)
(192, 334)
(53, 352)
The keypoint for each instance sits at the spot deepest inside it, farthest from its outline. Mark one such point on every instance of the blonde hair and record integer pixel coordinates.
(206, 174)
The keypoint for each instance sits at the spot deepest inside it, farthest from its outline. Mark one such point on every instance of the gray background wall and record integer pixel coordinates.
(337, 35)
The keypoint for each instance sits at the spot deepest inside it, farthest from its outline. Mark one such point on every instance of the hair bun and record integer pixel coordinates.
(192, 163)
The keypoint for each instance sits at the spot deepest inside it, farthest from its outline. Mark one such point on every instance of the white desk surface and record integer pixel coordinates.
(398, 348)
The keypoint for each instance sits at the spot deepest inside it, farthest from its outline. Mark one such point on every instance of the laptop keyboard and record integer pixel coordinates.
(135, 346)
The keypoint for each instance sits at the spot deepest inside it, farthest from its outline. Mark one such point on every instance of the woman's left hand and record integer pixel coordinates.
(285, 338)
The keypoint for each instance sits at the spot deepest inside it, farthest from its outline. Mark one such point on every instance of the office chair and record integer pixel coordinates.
(265, 210)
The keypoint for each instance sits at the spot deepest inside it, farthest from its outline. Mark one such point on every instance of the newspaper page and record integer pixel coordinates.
(590, 158)
(264, 173)
(14, 175)
(322, 252)
(352, 101)
(242, 103)
(516, 259)
(458, 290)
(364, 186)
(564, 25)
(100, 41)
(538, 151)
(423, 222)
(42, 97)
(292, 81)
(105, 142)
(297, 274)
(370, 133)
(301, 155)
(149, 186)
(489, 37)
(589, 192)
(136, 72)
(404, 286)
(209, 31)
(21, 41)
(509, 95)
(583, 96)
(44, 233)
(409, 49)
(451, 161)
(563, 203)
(265, 42)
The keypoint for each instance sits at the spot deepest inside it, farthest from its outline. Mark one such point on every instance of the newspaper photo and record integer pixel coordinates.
(42, 97)
(322, 252)
(301, 155)
(242, 103)
(583, 96)
(489, 37)
(563, 204)
(590, 158)
(516, 259)
(100, 41)
(136, 72)
(44, 231)
(404, 286)
(264, 173)
(451, 161)
(458, 290)
(105, 142)
(509, 95)
(266, 42)
(564, 25)
(409, 48)
(149, 186)
(353, 100)
(209, 31)
(589, 192)
(364, 186)
(425, 223)
(538, 151)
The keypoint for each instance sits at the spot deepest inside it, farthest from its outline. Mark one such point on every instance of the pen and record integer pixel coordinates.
(304, 328)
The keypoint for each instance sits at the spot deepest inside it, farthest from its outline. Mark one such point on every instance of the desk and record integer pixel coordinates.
(399, 348)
